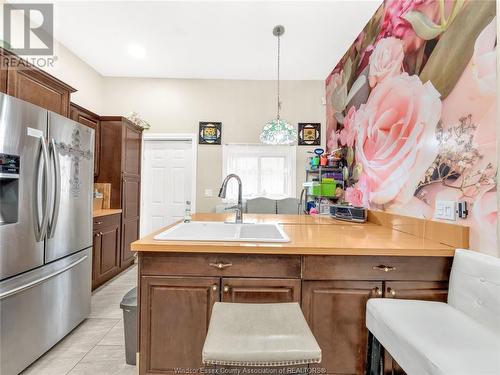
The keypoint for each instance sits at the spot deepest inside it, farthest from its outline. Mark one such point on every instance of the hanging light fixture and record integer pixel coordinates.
(278, 131)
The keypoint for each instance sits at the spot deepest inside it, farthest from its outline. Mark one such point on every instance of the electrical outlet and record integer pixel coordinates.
(209, 193)
(446, 210)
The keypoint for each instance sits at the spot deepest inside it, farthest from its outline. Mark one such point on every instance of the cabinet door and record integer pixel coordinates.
(131, 188)
(109, 257)
(260, 290)
(130, 234)
(421, 290)
(91, 120)
(131, 150)
(96, 254)
(335, 311)
(175, 313)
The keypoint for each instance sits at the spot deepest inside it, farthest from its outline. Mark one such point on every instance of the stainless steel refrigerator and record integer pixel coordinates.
(46, 176)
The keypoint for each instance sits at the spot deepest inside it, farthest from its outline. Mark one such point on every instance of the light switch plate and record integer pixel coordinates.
(446, 210)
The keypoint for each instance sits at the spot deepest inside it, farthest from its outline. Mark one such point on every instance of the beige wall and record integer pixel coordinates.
(177, 105)
(70, 69)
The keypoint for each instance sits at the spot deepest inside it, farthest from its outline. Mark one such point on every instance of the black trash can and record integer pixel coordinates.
(129, 307)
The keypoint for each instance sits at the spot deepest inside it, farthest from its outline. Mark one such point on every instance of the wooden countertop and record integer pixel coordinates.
(309, 235)
(106, 211)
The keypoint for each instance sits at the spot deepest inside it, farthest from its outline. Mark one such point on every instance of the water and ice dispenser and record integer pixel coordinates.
(9, 188)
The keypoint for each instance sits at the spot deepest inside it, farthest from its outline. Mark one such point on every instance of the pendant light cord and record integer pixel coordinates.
(279, 103)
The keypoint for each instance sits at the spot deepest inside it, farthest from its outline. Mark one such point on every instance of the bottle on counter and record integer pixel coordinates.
(187, 212)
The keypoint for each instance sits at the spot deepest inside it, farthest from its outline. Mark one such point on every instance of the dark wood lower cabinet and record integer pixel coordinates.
(130, 229)
(175, 313)
(260, 290)
(335, 311)
(177, 292)
(106, 249)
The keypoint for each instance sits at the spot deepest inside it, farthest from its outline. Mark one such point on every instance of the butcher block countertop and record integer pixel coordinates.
(106, 211)
(316, 235)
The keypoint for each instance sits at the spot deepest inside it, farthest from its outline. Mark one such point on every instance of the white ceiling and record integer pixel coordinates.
(211, 39)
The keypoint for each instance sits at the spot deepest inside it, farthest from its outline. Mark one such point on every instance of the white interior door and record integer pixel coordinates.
(167, 182)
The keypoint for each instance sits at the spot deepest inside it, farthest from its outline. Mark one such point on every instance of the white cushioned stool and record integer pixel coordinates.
(461, 337)
(253, 334)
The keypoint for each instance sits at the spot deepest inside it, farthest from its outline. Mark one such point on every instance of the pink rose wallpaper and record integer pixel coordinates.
(414, 99)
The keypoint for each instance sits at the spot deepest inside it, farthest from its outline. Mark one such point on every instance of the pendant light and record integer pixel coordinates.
(278, 131)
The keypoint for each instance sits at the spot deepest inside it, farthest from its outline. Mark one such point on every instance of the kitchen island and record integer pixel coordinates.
(330, 267)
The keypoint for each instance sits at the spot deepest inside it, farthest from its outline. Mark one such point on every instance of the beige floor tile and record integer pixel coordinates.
(52, 366)
(116, 336)
(104, 360)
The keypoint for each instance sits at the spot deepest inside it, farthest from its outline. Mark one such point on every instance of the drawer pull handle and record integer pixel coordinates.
(214, 287)
(391, 291)
(226, 289)
(98, 222)
(377, 291)
(384, 268)
(220, 265)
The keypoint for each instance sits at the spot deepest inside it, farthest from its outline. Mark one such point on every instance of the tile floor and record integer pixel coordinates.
(96, 346)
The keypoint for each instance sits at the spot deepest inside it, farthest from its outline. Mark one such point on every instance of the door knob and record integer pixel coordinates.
(214, 287)
(226, 289)
(377, 291)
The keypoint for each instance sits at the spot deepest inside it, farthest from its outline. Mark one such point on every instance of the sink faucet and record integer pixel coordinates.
(239, 206)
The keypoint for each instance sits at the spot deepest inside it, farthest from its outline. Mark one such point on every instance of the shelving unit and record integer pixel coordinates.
(319, 173)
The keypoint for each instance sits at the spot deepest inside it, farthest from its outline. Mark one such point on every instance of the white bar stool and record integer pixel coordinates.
(461, 337)
(264, 335)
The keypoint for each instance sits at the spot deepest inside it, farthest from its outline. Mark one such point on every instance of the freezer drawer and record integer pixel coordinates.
(40, 307)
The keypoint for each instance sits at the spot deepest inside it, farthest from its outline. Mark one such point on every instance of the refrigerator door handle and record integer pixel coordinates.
(57, 190)
(33, 283)
(40, 228)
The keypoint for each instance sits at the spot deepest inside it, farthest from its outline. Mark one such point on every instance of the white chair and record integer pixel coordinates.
(287, 206)
(461, 337)
(259, 335)
(261, 206)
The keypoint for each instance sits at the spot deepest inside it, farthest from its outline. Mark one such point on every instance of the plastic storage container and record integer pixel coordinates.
(129, 307)
(328, 187)
(313, 188)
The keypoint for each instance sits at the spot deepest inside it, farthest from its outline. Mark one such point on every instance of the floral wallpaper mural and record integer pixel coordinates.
(413, 104)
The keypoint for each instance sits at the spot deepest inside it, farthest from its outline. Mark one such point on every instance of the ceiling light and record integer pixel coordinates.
(278, 131)
(136, 51)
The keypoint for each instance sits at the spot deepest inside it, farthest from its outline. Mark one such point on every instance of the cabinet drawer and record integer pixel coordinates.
(221, 265)
(376, 268)
(261, 290)
(104, 221)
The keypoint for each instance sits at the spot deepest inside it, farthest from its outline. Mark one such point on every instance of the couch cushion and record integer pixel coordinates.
(248, 334)
(433, 338)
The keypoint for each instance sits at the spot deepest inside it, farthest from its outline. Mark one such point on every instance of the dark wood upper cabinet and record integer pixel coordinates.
(260, 290)
(26, 82)
(335, 311)
(120, 165)
(120, 154)
(175, 314)
(90, 119)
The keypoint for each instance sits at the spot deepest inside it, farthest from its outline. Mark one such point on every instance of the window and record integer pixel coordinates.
(265, 171)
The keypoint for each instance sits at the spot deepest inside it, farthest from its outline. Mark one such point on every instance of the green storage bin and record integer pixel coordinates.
(313, 188)
(328, 189)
